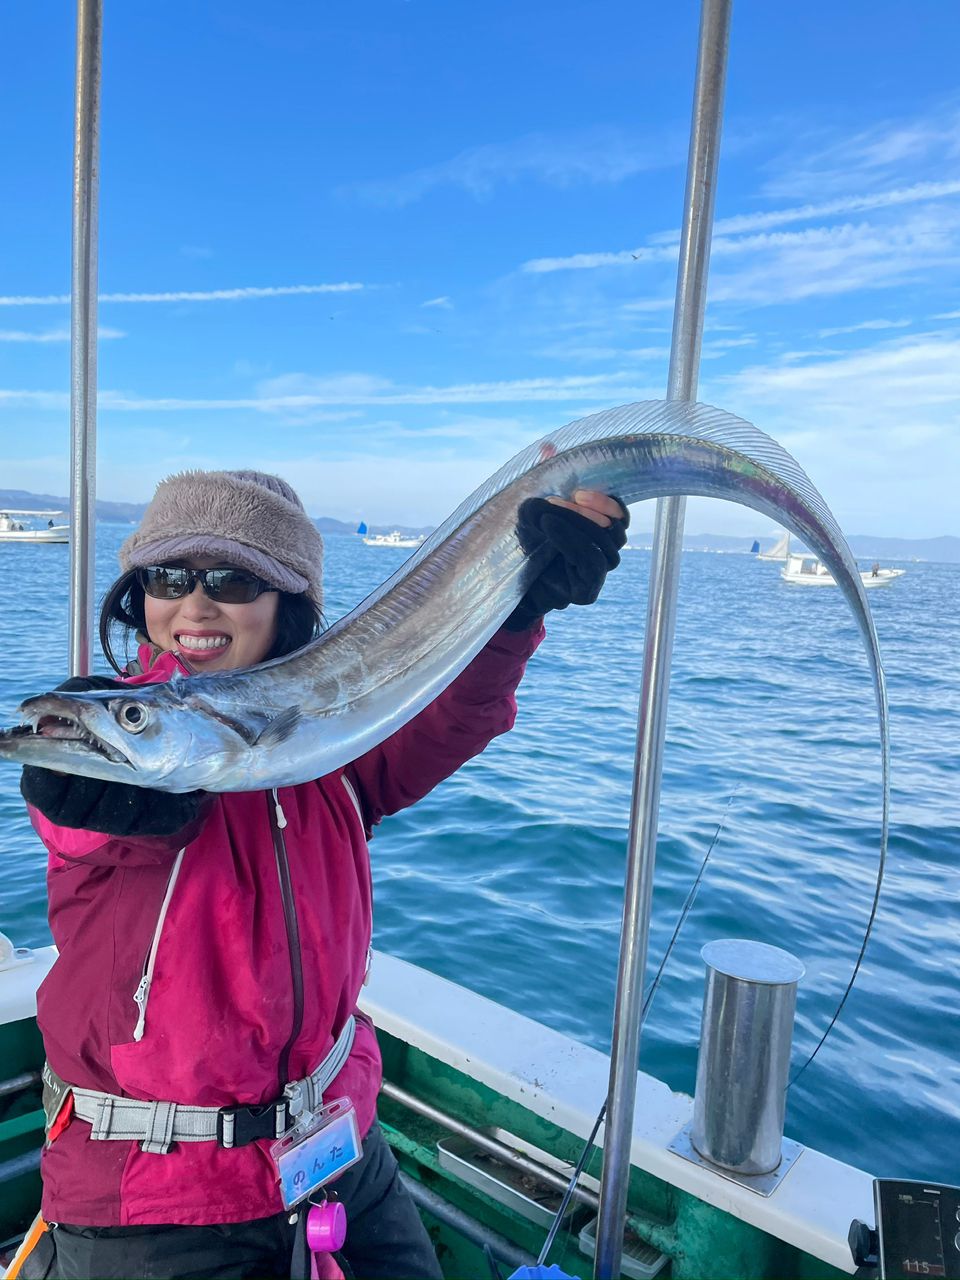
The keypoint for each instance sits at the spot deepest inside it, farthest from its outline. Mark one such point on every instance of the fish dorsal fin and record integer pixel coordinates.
(280, 728)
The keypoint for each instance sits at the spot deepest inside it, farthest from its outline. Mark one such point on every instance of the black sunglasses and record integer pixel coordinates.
(224, 586)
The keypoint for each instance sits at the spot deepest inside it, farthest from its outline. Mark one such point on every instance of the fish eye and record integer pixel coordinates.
(133, 716)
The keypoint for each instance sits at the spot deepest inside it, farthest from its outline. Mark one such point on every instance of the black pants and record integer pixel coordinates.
(385, 1239)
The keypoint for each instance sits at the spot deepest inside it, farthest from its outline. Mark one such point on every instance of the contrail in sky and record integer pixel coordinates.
(208, 295)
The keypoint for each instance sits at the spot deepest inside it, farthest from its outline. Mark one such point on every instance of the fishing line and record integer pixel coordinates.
(492, 1263)
(647, 1002)
(571, 1185)
(856, 968)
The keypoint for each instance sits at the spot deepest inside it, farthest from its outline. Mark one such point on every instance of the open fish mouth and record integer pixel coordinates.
(63, 729)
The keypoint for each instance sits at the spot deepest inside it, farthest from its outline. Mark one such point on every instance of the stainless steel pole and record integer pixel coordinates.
(83, 335)
(661, 616)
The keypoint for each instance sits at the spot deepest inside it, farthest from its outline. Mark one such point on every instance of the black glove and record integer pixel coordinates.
(583, 555)
(115, 808)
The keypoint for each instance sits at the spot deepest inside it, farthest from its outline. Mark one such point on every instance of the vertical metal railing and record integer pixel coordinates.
(661, 616)
(83, 336)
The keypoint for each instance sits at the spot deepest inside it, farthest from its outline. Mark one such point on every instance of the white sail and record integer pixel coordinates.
(779, 551)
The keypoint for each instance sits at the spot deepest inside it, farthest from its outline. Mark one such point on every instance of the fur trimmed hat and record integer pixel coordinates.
(255, 521)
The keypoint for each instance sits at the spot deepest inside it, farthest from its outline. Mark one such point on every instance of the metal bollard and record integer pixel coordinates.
(744, 1056)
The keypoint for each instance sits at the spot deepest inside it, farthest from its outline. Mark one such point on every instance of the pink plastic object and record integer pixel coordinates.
(323, 1266)
(326, 1227)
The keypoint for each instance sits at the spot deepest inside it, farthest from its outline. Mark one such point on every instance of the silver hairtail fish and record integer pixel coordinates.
(307, 714)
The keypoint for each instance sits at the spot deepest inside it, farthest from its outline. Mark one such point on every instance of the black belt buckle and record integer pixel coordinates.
(238, 1126)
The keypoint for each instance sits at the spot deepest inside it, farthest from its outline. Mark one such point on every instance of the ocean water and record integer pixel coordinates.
(508, 878)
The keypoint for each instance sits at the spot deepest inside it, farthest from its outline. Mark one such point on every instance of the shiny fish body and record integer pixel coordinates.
(305, 715)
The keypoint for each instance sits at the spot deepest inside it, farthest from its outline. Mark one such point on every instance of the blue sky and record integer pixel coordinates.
(379, 247)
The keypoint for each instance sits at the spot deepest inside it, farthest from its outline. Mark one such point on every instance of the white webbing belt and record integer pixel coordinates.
(158, 1125)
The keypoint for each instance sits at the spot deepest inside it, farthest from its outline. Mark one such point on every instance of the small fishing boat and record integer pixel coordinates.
(20, 526)
(394, 539)
(779, 551)
(807, 571)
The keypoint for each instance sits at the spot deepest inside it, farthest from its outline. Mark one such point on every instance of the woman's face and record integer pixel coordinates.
(211, 636)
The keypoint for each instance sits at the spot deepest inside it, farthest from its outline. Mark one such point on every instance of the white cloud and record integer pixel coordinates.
(294, 394)
(443, 302)
(590, 156)
(591, 261)
(864, 324)
(908, 374)
(716, 348)
(918, 193)
(788, 265)
(304, 390)
(581, 351)
(854, 163)
(206, 295)
(875, 428)
(53, 335)
(616, 386)
(17, 399)
(826, 261)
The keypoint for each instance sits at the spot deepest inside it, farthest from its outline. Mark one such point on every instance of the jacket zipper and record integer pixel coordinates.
(142, 993)
(351, 792)
(277, 823)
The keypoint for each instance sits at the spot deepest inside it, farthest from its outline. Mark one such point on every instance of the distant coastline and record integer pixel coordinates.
(942, 550)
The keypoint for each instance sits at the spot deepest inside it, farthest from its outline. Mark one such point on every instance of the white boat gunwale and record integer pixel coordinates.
(562, 1081)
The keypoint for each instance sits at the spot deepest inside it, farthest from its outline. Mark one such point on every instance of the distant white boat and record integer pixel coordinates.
(779, 551)
(395, 539)
(807, 571)
(13, 528)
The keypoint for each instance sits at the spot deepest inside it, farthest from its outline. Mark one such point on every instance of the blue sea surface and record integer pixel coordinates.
(509, 877)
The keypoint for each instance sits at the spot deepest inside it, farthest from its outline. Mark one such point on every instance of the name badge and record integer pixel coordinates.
(315, 1150)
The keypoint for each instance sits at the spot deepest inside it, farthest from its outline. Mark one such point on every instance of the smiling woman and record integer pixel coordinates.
(261, 892)
(200, 625)
(225, 571)
(204, 629)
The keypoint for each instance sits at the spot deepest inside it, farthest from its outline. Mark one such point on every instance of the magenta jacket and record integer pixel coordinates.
(220, 1011)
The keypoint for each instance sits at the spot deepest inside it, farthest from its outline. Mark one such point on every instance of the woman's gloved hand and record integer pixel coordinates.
(115, 808)
(585, 535)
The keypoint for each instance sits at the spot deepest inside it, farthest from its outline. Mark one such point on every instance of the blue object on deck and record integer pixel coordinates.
(552, 1272)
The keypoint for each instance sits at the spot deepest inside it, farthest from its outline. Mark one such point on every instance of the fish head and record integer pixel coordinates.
(158, 736)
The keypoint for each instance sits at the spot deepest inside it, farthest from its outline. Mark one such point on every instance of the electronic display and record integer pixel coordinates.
(918, 1227)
